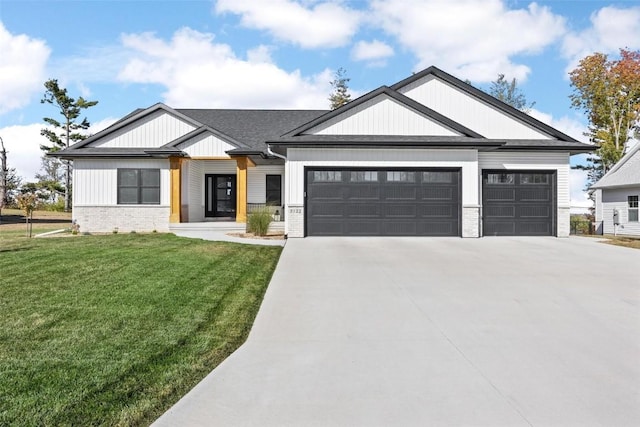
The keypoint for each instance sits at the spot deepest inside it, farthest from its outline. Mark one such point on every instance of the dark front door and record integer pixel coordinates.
(220, 195)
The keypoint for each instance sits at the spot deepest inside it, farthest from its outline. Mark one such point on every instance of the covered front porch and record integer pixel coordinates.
(220, 192)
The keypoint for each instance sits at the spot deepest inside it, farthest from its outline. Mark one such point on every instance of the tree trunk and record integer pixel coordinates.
(3, 174)
(67, 187)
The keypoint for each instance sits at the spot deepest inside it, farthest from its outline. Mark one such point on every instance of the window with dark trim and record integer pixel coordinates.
(633, 208)
(364, 176)
(274, 190)
(500, 178)
(138, 186)
(534, 178)
(327, 176)
(401, 176)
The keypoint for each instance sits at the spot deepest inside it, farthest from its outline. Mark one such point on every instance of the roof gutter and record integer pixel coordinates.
(272, 153)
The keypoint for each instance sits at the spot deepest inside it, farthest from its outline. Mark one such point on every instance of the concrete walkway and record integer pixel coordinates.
(435, 332)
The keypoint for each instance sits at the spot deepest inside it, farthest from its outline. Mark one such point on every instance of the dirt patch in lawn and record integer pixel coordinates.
(626, 241)
(13, 219)
(269, 236)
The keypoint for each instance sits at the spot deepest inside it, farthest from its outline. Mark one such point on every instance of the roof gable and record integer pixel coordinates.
(383, 112)
(474, 108)
(625, 173)
(148, 128)
(205, 142)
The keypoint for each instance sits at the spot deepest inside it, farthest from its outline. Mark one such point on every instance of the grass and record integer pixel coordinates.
(114, 329)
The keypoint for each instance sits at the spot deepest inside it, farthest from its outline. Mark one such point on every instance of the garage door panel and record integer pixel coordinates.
(520, 203)
(436, 228)
(400, 211)
(500, 211)
(543, 212)
(362, 210)
(394, 202)
(438, 211)
(532, 228)
(399, 192)
(326, 210)
(325, 192)
(499, 194)
(534, 194)
(362, 192)
(437, 193)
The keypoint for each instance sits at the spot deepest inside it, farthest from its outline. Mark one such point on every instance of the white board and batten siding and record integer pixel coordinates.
(155, 130)
(95, 181)
(206, 145)
(298, 159)
(470, 112)
(382, 115)
(257, 181)
(616, 198)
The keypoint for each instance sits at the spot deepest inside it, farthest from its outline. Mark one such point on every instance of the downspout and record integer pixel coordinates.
(271, 153)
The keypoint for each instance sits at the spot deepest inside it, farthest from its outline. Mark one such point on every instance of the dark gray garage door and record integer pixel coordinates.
(383, 202)
(518, 203)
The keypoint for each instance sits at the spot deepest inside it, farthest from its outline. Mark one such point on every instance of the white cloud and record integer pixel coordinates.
(474, 39)
(611, 28)
(22, 68)
(199, 73)
(568, 125)
(23, 146)
(325, 24)
(374, 52)
(580, 202)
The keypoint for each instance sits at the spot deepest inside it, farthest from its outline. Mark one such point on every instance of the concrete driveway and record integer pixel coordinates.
(435, 332)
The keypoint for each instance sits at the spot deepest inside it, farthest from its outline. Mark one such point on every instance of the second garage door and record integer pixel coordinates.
(382, 202)
(518, 203)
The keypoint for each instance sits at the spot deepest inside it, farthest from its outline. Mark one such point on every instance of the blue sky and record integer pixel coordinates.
(282, 53)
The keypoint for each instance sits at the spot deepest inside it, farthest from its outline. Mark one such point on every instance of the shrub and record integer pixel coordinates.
(258, 221)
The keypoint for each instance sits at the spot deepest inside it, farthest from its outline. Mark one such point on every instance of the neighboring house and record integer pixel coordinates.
(428, 156)
(618, 190)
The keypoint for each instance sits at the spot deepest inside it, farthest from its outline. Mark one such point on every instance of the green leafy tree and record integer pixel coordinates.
(66, 131)
(608, 91)
(509, 93)
(340, 85)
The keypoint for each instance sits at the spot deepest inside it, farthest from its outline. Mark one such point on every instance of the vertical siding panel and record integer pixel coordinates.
(98, 180)
(382, 116)
(468, 111)
(156, 129)
(257, 185)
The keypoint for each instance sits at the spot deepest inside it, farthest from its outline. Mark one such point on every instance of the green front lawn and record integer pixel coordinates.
(112, 330)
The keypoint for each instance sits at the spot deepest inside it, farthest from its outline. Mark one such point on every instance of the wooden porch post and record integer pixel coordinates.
(175, 199)
(241, 189)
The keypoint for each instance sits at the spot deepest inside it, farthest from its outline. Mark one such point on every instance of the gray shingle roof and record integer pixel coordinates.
(253, 127)
(625, 173)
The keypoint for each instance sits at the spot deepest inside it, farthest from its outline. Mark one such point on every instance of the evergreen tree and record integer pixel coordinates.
(67, 131)
(509, 93)
(340, 94)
